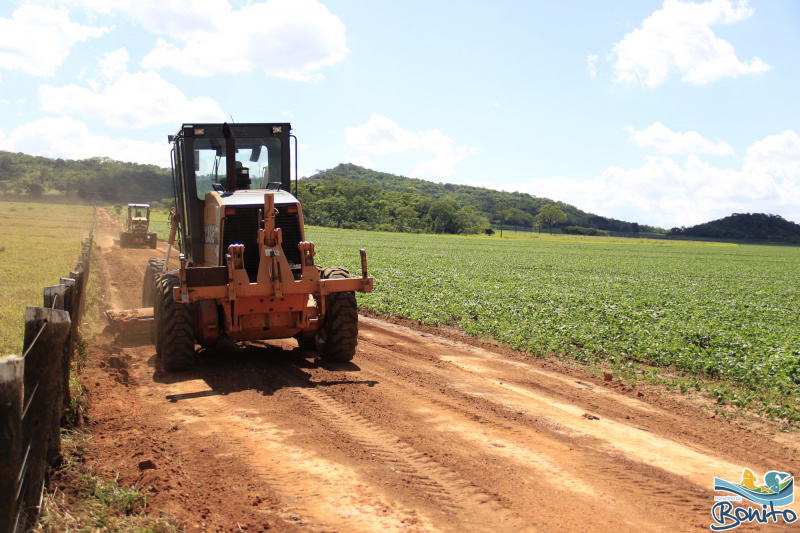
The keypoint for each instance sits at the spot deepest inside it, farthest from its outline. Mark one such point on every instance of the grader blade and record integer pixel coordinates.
(132, 327)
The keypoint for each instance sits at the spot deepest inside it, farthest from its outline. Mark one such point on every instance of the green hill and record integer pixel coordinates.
(756, 227)
(349, 196)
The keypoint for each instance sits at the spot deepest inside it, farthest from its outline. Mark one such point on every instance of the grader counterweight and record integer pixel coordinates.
(246, 269)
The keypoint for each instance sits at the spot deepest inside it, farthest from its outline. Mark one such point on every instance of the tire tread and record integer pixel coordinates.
(339, 337)
(174, 329)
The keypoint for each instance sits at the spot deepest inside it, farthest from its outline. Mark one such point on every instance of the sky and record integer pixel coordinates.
(667, 113)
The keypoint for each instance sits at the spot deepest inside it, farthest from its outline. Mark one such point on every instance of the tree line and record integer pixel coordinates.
(98, 179)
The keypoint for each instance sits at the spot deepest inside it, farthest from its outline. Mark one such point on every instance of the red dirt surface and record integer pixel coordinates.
(423, 432)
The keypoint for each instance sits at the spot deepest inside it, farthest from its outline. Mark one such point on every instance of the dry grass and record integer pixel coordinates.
(94, 504)
(39, 244)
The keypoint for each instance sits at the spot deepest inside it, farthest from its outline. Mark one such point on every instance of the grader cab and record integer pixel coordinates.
(246, 269)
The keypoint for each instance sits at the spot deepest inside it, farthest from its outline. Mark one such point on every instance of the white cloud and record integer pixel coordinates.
(114, 64)
(362, 161)
(678, 39)
(382, 136)
(443, 164)
(591, 65)
(666, 193)
(290, 39)
(37, 39)
(674, 143)
(166, 17)
(136, 100)
(68, 138)
(777, 156)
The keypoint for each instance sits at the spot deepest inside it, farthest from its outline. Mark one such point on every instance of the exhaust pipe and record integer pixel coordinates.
(230, 158)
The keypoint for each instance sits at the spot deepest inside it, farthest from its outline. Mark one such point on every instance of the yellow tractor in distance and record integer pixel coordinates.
(137, 229)
(246, 269)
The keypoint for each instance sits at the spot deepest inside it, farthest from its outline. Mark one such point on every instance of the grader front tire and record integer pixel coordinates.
(338, 337)
(174, 330)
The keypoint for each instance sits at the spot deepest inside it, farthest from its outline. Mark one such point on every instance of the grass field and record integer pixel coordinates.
(39, 244)
(708, 310)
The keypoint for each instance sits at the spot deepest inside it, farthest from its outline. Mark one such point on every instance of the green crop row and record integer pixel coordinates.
(720, 311)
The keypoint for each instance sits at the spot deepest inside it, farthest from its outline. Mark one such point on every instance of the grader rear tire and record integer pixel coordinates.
(174, 330)
(152, 271)
(338, 337)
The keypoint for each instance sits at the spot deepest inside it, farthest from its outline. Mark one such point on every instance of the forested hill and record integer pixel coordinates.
(746, 227)
(349, 196)
(96, 179)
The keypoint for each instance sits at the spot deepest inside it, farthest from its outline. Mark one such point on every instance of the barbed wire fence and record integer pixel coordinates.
(35, 393)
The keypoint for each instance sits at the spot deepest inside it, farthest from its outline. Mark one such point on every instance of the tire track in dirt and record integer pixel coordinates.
(457, 496)
(315, 492)
(558, 464)
(292, 472)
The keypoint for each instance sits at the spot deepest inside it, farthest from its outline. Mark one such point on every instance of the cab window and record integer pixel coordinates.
(258, 163)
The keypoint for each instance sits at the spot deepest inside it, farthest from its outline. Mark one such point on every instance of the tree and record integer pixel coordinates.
(517, 217)
(551, 214)
(470, 222)
(33, 187)
(444, 215)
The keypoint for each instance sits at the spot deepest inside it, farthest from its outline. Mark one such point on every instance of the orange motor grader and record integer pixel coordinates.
(137, 228)
(246, 269)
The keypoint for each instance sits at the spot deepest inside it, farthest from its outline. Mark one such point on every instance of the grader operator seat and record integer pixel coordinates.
(242, 176)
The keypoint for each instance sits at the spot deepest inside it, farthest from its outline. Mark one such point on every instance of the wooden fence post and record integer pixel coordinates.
(60, 297)
(46, 332)
(54, 297)
(70, 296)
(11, 370)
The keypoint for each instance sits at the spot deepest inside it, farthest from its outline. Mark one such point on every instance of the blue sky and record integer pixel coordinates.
(667, 113)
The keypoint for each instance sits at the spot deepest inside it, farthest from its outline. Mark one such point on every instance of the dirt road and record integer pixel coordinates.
(423, 432)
